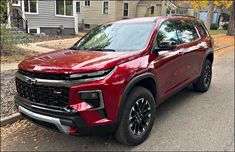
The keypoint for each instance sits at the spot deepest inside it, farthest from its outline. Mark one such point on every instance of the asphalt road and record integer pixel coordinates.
(187, 121)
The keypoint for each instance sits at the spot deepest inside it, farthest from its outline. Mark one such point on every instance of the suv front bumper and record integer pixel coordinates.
(57, 121)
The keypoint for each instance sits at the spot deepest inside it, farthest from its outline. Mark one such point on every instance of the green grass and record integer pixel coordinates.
(213, 32)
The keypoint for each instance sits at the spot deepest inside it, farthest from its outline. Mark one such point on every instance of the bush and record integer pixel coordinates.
(225, 17)
(9, 39)
(214, 26)
(225, 26)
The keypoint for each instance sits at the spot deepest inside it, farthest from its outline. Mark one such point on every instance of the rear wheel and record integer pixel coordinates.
(137, 118)
(204, 81)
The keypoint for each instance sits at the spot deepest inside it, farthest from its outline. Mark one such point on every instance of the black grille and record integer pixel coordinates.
(44, 75)
(47, 95)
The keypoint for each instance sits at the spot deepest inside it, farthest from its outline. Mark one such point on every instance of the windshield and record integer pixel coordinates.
(117, 37)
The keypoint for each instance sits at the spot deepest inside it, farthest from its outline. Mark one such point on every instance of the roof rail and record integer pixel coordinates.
(182, 15)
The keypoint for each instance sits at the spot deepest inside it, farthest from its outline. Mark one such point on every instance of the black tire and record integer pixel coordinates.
(204, 81)
(134, 105)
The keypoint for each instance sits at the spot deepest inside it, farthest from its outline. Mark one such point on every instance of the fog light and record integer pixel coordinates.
(89, 95)
(93, 98)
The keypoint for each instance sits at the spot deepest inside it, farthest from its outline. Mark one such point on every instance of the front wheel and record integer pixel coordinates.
(137, 118)
(204, 81)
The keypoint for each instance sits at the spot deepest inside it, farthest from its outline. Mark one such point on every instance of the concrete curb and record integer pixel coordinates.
(11, 119)
(222, 47)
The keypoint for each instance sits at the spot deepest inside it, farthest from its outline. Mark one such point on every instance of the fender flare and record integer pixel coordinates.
(128, 88)
(209, 52)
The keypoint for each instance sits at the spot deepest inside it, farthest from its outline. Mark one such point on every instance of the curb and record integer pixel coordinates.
(10, 119)
(222, 47)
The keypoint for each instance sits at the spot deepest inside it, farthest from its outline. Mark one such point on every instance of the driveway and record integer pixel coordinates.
(185, 122)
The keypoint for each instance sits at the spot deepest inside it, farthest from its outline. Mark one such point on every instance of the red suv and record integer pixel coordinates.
(113, 78)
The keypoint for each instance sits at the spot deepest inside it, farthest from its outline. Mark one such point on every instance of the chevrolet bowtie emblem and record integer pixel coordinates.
(31, 81)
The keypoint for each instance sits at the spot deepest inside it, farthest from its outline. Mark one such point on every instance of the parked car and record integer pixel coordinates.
(112, 79)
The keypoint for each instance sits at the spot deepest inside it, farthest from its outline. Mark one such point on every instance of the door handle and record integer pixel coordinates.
(181, 53)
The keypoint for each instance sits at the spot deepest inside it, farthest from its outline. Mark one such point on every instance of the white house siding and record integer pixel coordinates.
(46, 18)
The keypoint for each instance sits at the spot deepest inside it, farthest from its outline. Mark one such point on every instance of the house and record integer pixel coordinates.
(45, 16)
(92, 13)
(184, 8)
(67, 16)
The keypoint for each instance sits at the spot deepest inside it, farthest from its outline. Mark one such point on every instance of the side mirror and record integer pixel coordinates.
(166, 45)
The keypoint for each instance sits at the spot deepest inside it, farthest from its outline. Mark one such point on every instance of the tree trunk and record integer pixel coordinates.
(231, 28)
(209, 14)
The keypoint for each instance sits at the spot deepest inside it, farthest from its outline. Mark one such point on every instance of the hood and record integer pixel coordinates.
(74, 61)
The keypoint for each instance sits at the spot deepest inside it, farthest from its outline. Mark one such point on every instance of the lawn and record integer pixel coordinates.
(214, 32)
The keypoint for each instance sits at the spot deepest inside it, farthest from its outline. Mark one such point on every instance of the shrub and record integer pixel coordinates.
(214, 26)
(225, 17)
(9, 39)
(225, 26)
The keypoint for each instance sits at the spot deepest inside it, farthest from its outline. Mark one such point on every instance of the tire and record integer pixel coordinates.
(204, 81)
(127, 130)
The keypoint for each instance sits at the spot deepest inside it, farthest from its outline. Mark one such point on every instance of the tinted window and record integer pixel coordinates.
(167, 32)
(201, 29)
(186, 31)
(118, 37)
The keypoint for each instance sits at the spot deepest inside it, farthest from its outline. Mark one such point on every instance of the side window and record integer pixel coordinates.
(201, 29)
(167, 32)
(186, 31)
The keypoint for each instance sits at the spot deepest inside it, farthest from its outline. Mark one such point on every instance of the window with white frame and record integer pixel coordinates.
(30, 6)
(64, 7)
(87, 2)
(105, 7)
(16, 2)
(125, 10)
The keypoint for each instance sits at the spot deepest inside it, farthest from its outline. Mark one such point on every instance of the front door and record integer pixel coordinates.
(169, 66)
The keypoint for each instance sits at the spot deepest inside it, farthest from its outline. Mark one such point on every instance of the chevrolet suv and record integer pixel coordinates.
(113, 78)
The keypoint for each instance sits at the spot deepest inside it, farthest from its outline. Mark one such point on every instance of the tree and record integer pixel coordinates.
(211, 4)
(231, 29)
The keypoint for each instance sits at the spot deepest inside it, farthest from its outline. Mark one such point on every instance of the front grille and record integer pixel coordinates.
(44, 75)
(40, 94)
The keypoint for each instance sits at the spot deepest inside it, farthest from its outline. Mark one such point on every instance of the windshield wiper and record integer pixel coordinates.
(74, 48)
(100, 49)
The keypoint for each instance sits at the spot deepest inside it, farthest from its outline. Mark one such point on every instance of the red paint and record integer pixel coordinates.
(171, 69)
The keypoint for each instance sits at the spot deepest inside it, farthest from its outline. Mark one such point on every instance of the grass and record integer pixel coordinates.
(16, 55)
(214, 32)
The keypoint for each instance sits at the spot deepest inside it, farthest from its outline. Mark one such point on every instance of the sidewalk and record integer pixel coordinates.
(8, 66)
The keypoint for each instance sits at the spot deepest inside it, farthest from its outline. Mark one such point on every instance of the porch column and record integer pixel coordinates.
(23, 13)
(8, 15)
(75, 15)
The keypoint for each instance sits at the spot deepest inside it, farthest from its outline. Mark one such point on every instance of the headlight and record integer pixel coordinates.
(91, 75)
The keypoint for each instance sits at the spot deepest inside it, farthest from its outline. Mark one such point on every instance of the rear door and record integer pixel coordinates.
(192, 49)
